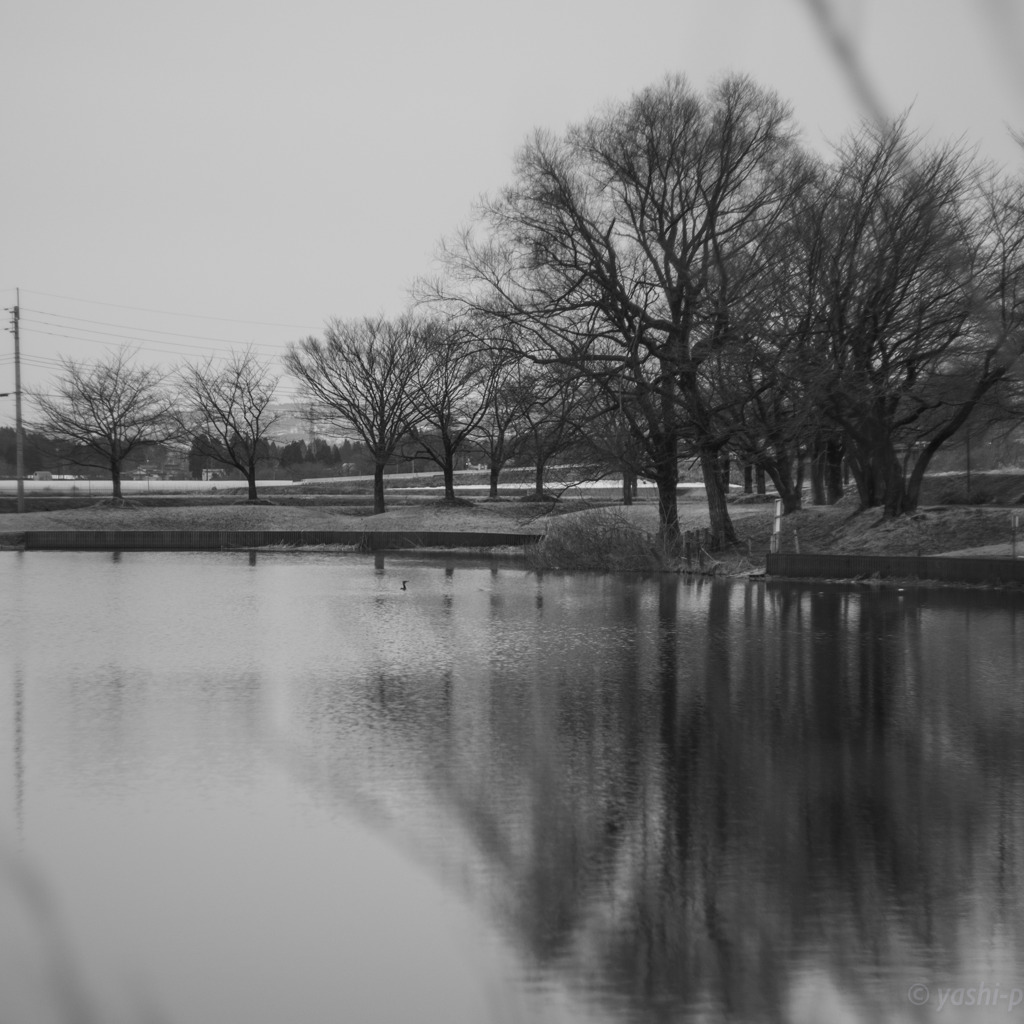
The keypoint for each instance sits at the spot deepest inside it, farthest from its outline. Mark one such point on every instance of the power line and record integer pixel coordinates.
(71, 337)
(48, 363)
(132, 339)
(133, 327)
(148, 350)
(167, 312)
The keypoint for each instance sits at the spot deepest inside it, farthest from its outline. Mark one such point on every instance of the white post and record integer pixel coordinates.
(776, 527)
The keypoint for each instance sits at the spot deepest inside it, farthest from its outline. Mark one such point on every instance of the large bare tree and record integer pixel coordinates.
(226, 411)
(914, 304)
(758, 385)
(363, 373)
(106, 410)
(625, 246)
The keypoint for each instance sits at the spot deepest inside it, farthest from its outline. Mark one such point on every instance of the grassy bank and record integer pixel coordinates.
(579, 534)
(627, 538)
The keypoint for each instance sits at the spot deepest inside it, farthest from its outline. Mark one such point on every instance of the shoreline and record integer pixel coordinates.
(970, 534)
(250, 540)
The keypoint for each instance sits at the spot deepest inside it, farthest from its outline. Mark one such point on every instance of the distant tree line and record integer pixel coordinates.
(675, 280)
(38, 452)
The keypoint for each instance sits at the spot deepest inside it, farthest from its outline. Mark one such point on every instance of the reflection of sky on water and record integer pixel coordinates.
(245, 781)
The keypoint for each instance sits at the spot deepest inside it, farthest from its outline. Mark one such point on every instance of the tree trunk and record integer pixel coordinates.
(863, 477)
(250, 476)
(876, 467)
(378, 488)
(723, 534)
(818, 472)
(538, 479)
(494, 472)
(912, 496)
(664, 451)
(628, 486)
(893, 489)
(912, 487)
(115, 477)
(725, 468)
(449, 477)
(779, 470)
(833, 470)
(668, 510)
(748, 479)
(913, 492)
(895, 499)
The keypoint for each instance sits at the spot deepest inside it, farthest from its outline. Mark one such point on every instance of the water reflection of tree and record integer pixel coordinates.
(732, 785)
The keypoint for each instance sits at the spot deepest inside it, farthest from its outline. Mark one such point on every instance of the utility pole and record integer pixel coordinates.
(968, 440)
(311, 420)
(19, 431)
(19, 434)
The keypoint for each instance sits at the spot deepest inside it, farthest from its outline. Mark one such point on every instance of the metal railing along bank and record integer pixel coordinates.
(219, 540)
(925, 567)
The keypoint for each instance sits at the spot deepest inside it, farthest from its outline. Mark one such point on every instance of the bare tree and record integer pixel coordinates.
(916, 311)
(105, 411)
(552, 402)
(450, 393)
(363, 372)
(757, 385)
(497, 436)
(888, 320)
(226, 411)
(624, 247)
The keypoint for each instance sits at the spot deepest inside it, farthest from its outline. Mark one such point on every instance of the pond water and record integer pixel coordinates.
(277, 787)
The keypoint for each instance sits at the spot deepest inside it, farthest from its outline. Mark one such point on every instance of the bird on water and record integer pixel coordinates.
(404, 583)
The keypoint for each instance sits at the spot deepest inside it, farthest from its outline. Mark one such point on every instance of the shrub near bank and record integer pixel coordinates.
(604, 539)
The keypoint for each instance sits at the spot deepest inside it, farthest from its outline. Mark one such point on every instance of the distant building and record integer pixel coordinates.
(175, 465)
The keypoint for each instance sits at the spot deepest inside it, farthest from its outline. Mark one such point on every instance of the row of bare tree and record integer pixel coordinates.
(726, 293)
(409, 387)
(675, 279)
(436, 387)
(105, 411)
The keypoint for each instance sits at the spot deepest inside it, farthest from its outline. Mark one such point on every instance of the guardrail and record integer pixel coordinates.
(925, 567)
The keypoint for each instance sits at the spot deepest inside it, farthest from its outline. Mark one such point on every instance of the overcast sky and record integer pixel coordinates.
(240, 170)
